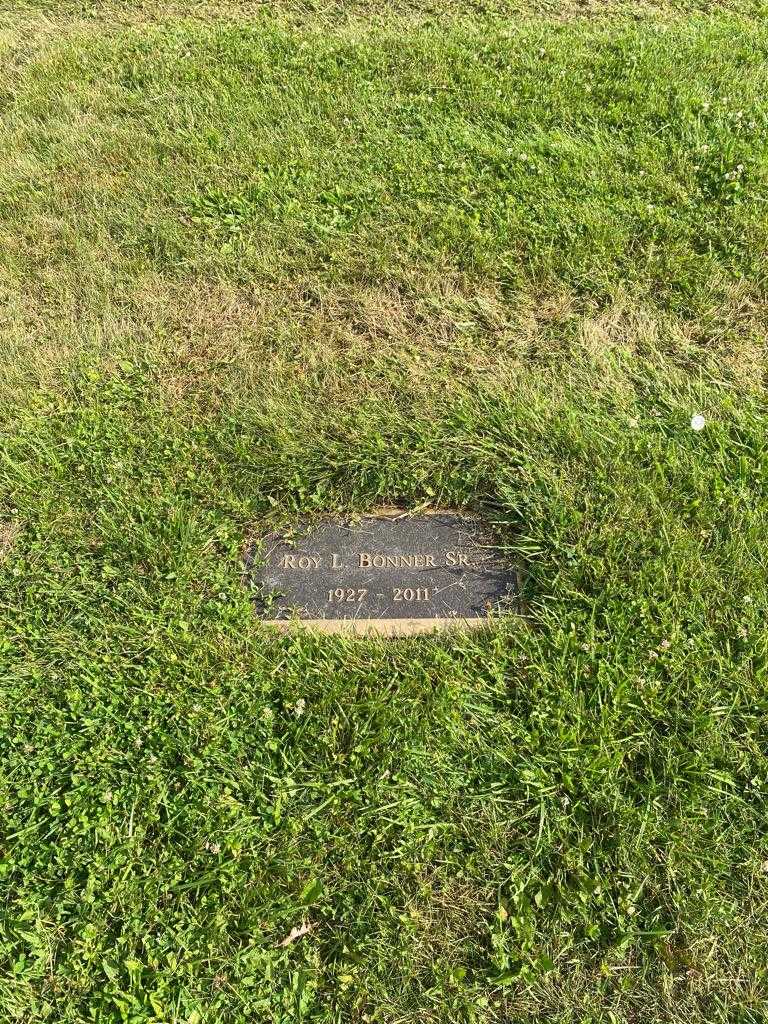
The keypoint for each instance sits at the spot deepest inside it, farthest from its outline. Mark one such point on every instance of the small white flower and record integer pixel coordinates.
(634, 422)
(698, 422)
(299, 707)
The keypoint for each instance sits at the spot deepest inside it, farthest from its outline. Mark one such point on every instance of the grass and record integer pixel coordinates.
(257, 266)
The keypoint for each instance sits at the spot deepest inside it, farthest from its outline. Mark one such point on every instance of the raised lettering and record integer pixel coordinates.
(456, 558)
(309, 562)
(289, 561)
(368, 560)
(336, 561)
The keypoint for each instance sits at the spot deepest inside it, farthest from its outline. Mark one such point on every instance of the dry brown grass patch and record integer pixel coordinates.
(206, 342)
(204, 332)
(9, 534)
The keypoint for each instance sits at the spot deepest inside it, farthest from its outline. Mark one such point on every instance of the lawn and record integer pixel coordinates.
(263, 263)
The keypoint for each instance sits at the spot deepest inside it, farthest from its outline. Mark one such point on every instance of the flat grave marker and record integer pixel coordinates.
(391, 574)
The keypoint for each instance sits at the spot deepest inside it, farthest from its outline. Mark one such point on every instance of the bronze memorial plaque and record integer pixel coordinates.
(391, 574)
